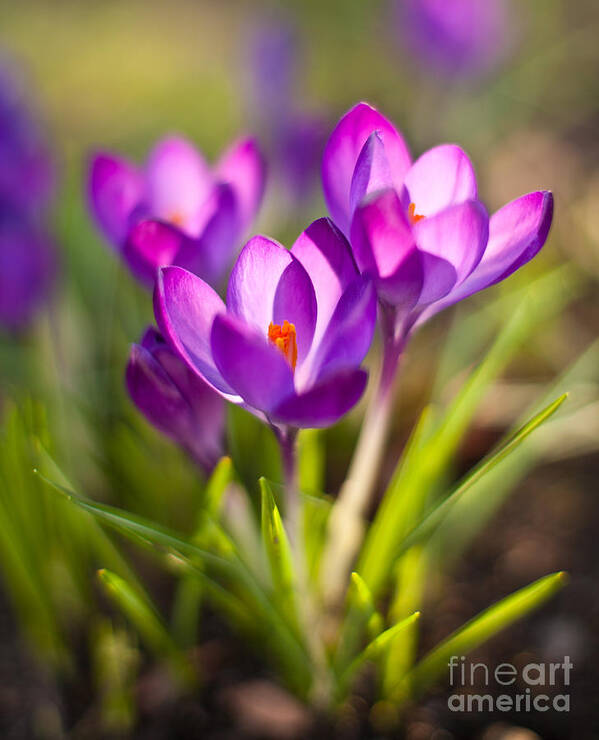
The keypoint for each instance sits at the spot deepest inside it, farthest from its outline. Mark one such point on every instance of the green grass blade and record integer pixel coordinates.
(144, 617)
(284, 645)
(438, 513)
(217, 485)
(142, 530)
(185, 615)
(362, 617)
(278, 552)
(375, 650)
(482, 627)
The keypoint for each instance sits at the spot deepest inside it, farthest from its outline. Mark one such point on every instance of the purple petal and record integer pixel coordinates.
(115, 190)
(516, 234)
(453, 243)
(185, 308)
(348, 336)
(254, 281)
(179, 183)
(250, 364)
(295, 302)
(150, 245)
(341, 155)
(269, 285)
(156, 396)
(439, 178)
(325, 253)
(175, 400)
(372, 171)
(244, 169)
(211, 255)
(325, 403)
(384, 248)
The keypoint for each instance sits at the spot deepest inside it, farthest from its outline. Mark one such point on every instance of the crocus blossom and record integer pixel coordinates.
(454, 38)
(175, 400)
(289, 341)
(418, 228)
(177, 209)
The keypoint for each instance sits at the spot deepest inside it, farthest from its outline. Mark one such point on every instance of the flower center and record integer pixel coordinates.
(176, 218)
(412, 215)
(284, 339)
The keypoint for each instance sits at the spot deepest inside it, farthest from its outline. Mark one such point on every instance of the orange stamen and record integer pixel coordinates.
(176, 218)
(284, 339)
(412, 215)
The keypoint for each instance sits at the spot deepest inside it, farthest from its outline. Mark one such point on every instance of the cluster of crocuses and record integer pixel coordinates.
(27, 255)
(404, 240)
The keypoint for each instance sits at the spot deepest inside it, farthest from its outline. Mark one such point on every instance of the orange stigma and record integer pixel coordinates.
(412, 215)
(283, 337)
(176, 218)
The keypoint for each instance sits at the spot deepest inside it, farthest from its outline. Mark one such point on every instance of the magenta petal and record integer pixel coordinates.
(324, 403)
(212, 253)
(155, 395)
(254, 281)
(516, 234)
(348, 336)
(453, 242)
(325, 253)
(341, 155)
(250, 364)
(115, 190)
(372, 171)
(175, 400)
(150, 245)
(185, 307)
(179, 182)
(244, 169)
(441, 177)
(384, 248)
(295, 302)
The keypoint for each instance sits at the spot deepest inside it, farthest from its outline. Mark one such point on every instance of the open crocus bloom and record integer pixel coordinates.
(177, 210)
(418, 228)
(175, 400)
(289, 342)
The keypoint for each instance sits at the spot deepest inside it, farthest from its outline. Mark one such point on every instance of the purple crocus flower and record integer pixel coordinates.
(290, 340)
(456, 38)
(27, 269)
(175, 400)
(177, 210)
(418, 228)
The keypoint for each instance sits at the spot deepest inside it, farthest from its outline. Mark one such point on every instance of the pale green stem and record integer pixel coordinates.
(347, 520)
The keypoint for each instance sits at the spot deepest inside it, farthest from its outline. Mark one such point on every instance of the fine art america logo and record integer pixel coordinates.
(535, 687)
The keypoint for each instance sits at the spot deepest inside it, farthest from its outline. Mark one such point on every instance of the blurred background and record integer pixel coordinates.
(517, 86)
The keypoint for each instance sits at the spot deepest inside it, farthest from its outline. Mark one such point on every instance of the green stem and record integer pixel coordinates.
(346, 523)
